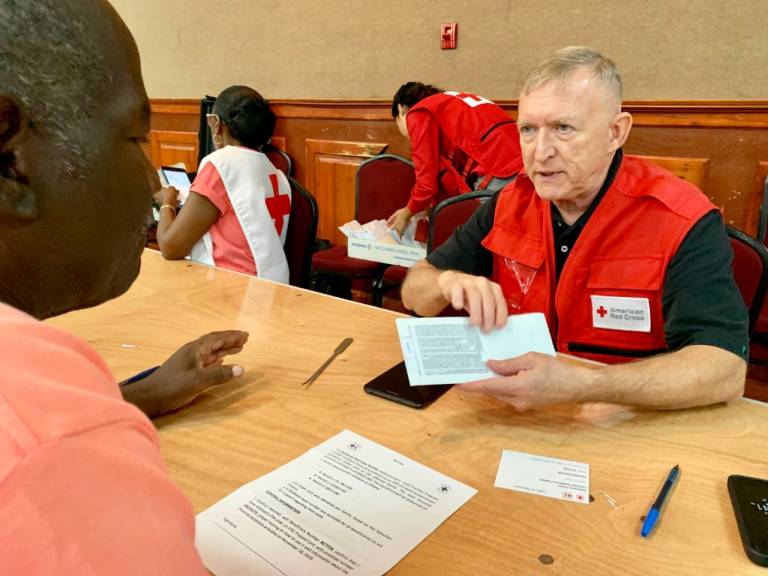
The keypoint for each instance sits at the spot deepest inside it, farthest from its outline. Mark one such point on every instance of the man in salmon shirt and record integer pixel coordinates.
(630, 264)
(459, 142)
(83, 488)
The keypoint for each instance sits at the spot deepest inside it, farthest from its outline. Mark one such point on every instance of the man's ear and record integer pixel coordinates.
(620, 128)
(18, 200)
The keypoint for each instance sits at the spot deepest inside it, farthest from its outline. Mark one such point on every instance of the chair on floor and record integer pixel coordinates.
(761, 325)
(750, 270)
(383, 185)
(444, 219)
(300, 237)
(762, 226)
(279, 159)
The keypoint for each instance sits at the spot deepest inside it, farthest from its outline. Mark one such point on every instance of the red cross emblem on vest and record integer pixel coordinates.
(602, 311)
(279, 205)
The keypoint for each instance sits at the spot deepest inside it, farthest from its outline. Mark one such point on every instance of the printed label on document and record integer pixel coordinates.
(615, 313)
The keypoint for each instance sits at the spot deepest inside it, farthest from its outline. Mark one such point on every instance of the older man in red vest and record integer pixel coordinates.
(627, 261)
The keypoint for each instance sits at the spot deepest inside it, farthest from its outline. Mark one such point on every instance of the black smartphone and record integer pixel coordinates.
(393, 385)
(749, 497)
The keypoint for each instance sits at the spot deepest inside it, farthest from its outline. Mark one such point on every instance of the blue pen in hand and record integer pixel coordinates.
(655, 511)
(139, 376)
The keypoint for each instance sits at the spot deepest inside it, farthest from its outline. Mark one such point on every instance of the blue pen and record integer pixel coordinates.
(655, 511)
(139, 376)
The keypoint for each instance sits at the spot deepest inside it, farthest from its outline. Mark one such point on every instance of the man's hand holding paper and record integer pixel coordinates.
(533, 380)
(482, 299)
(452, 350)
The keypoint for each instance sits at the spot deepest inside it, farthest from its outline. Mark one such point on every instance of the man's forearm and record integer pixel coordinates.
(693, 376)
(421, 292)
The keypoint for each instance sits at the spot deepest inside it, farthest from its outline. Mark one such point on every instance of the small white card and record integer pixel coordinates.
(544, 476)
(452, 351)
(619, 313)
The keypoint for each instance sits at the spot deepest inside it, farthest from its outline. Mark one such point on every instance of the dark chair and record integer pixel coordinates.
(762, 226)
(761, 325)
(383, 185)
(300, 237)
(279, 159)
(750, 270)
(445, 218)
(204, 141)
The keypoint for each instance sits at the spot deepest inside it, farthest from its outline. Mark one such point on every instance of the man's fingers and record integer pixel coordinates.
(501, 305)
(473, 305)
(489, 307)
(512, 366)
(223, 373)
(225, 339)
(217, 355)
(500, 387)
(457, 296)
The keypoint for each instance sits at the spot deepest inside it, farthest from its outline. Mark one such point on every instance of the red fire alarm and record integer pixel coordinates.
(448, 33)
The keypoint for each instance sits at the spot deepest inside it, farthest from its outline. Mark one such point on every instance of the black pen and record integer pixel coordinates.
(655, 511)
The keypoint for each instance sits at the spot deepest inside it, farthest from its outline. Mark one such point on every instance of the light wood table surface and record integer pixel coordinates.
(242, 430)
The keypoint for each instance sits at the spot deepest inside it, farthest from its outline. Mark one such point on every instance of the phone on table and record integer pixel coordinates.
(749, 497)
(393, 385)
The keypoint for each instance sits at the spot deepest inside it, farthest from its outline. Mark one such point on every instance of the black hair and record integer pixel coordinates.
(247, 115)
(410, 94)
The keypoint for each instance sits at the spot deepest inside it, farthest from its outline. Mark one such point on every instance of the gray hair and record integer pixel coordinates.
(563, 63)
(50, 63)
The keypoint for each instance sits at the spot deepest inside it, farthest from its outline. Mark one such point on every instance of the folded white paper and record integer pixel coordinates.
(452, 351)
(543, 476)
(348, 506)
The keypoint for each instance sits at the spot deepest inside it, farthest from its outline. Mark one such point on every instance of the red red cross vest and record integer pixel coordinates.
(482, 136)
(607, 303)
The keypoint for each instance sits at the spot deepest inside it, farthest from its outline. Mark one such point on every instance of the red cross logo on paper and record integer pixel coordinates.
(279, 205)
(602, 312)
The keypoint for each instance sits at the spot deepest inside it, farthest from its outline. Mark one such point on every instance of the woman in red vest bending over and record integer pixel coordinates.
(459, 142)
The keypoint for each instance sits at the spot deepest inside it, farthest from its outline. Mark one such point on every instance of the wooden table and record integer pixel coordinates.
(241, 430)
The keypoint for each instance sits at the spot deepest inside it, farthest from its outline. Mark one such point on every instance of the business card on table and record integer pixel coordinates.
(544, 476)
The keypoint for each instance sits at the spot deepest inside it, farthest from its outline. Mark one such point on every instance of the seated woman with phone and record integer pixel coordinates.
(236, 214)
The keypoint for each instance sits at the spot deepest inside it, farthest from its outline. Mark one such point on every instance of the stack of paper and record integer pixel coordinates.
(378, 231)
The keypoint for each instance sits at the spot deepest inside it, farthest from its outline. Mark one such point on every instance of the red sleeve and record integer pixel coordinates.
(208, 183)
(425, 153)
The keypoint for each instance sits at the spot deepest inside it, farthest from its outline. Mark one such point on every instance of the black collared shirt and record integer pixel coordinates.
(701, 303)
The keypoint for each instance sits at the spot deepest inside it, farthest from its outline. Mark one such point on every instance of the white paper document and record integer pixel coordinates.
(378, 231)
(348, 506)
(452, 351)
(543, 476)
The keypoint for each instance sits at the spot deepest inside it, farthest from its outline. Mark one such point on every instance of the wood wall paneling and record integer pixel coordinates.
(170, 147)
(330, 173)
(732, 153)
(279, 142)
(723, 143)
(693, 170)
